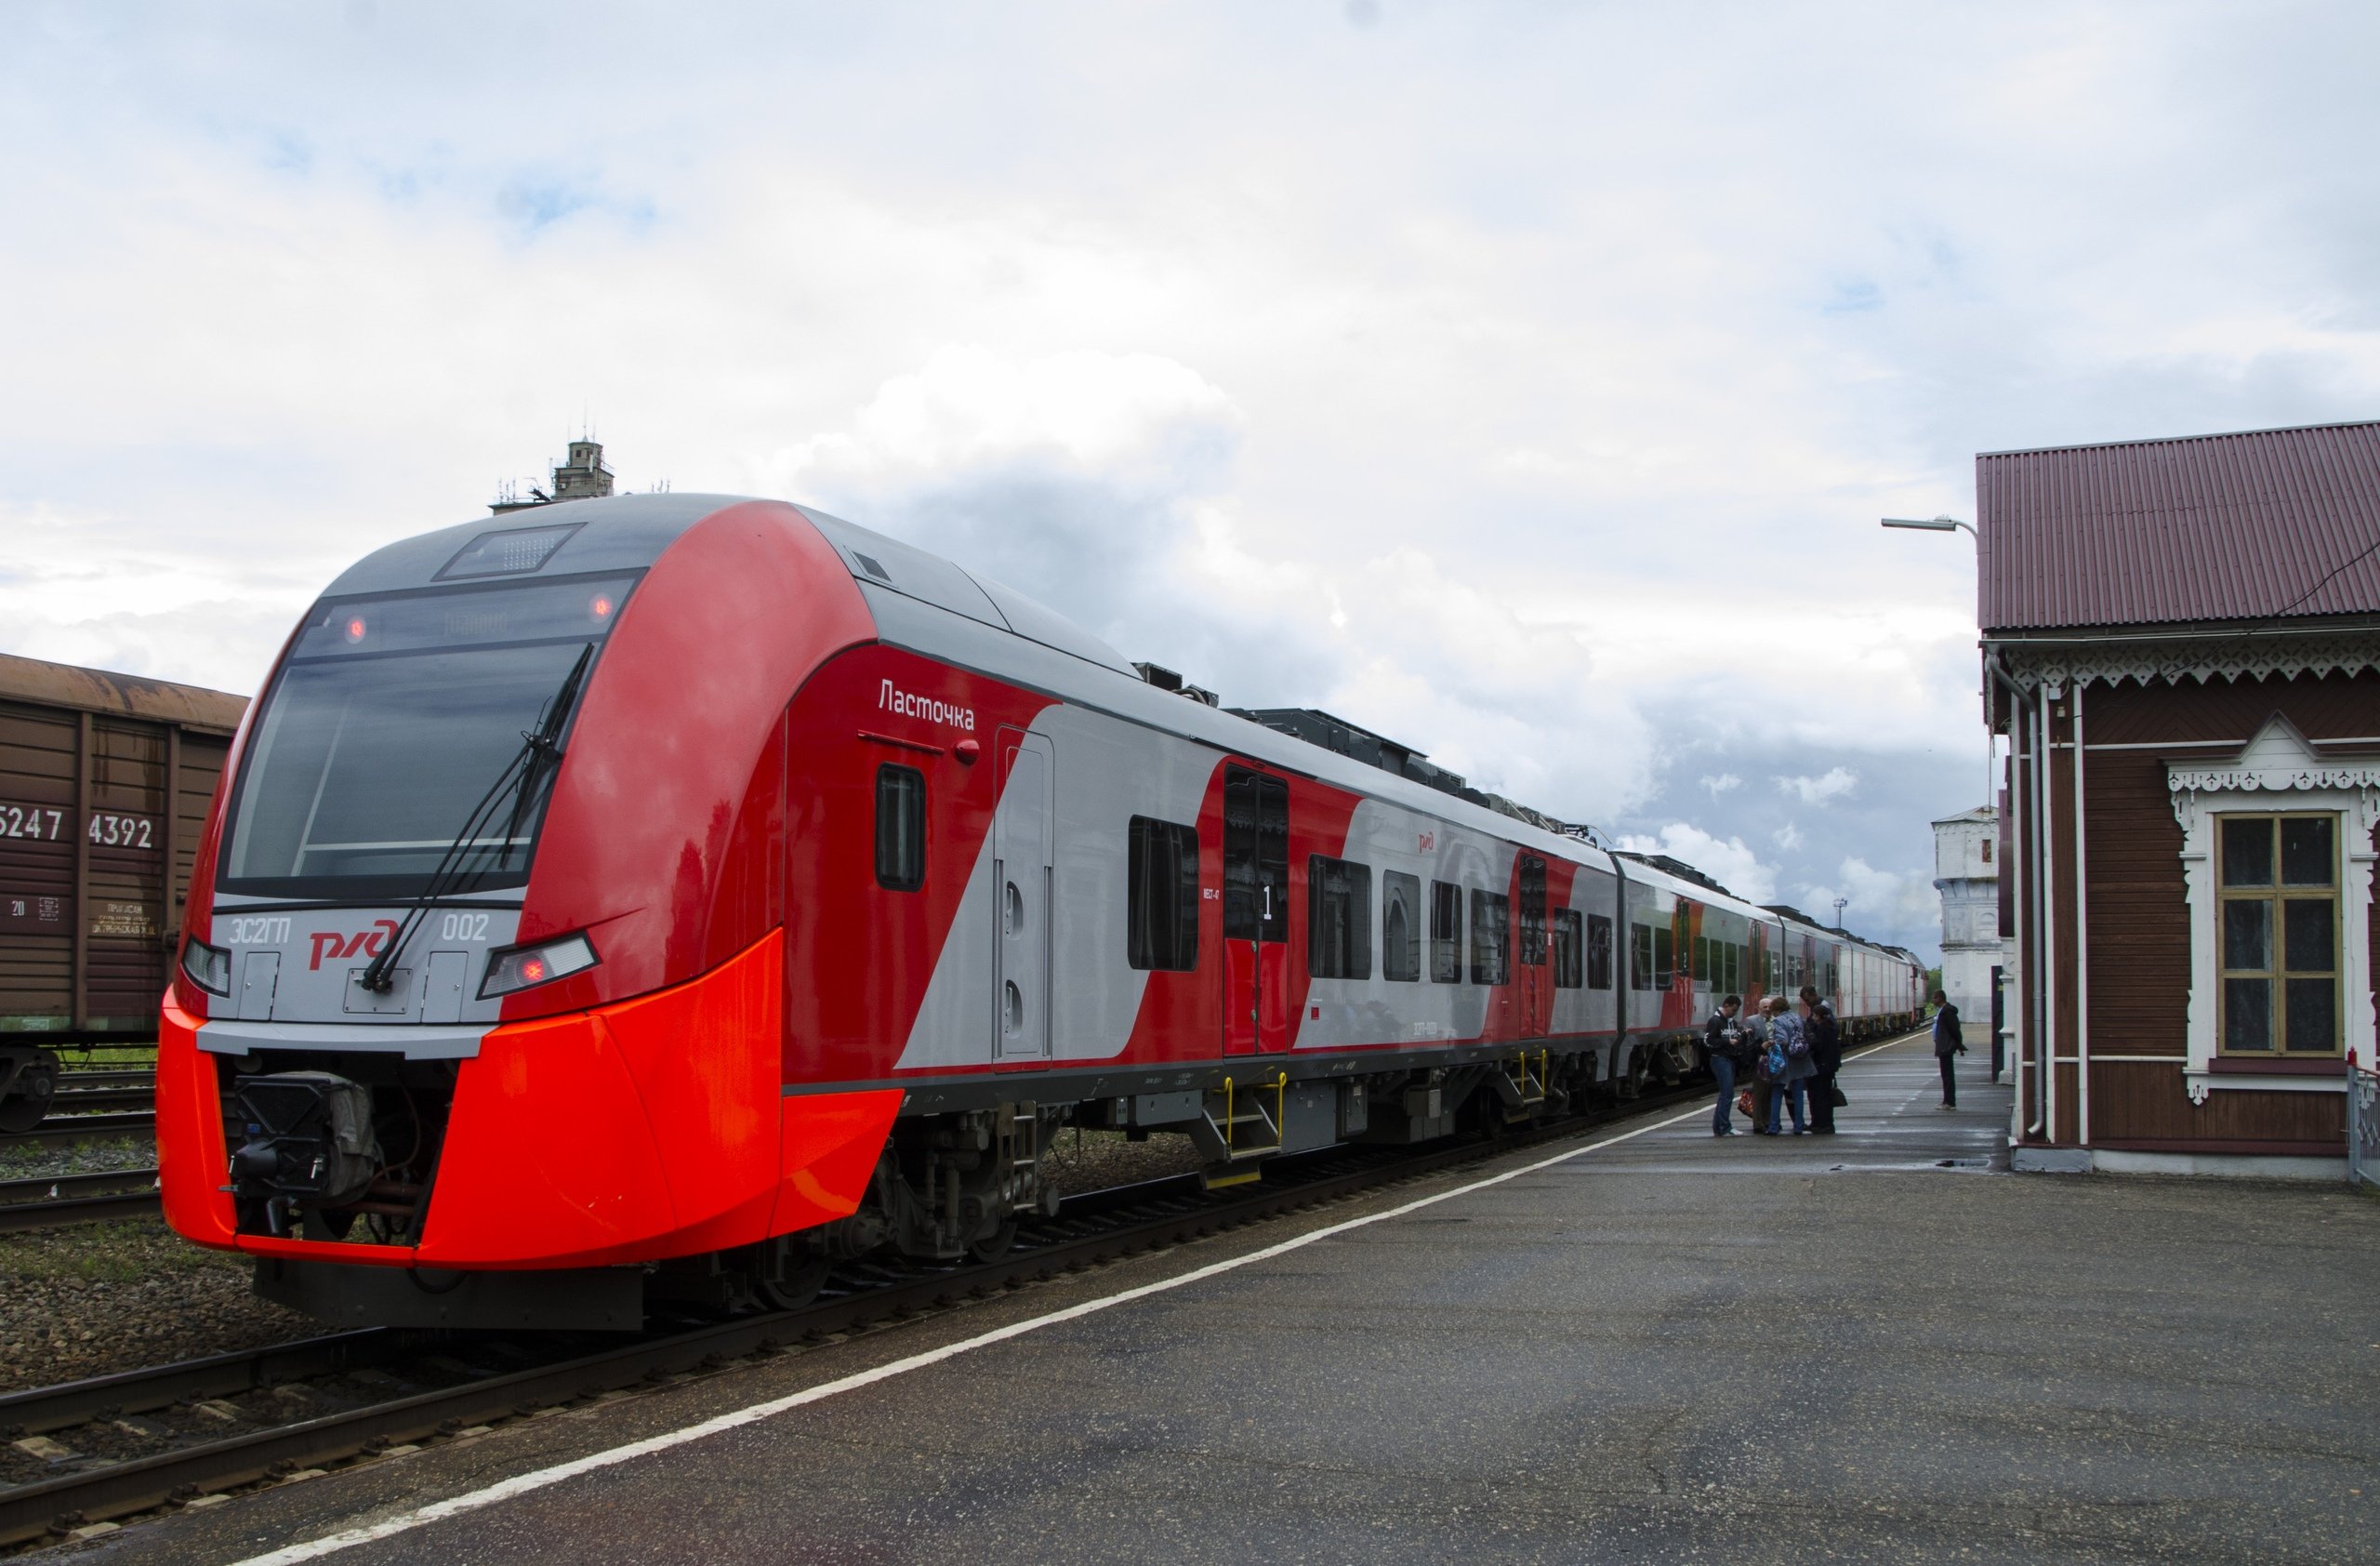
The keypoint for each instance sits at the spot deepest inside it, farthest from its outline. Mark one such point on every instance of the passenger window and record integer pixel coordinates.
(1445, 932)
(1492, 937)
(1598, 951)
(1161, 895)
(1640, 957)
(1569, 942)
(1664, 958)
(900, 828)
(1400, 934)
(1339, 918)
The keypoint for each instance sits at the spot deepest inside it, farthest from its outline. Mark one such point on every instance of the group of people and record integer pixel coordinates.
(1788, 1054)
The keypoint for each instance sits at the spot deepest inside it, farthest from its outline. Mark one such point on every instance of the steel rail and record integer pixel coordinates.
(1091, 1228)
(50, 1200)
(75, 1099)
(60, 1131)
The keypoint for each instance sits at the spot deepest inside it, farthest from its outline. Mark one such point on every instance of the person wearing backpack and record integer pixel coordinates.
(1753, 1065)
(1826, 1059)
(1789, 1065)
(1721, 1043)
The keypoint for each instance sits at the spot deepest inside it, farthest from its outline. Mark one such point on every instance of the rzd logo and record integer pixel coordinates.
(363, 943)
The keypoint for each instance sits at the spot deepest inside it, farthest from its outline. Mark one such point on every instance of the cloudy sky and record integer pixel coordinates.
(1521, 380)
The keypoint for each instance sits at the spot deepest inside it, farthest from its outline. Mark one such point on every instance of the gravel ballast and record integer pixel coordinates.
(92, 1299)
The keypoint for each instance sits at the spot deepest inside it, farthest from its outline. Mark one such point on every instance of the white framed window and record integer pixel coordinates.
(2276, 863)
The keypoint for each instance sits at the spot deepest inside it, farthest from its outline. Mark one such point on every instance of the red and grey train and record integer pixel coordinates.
(669, 895)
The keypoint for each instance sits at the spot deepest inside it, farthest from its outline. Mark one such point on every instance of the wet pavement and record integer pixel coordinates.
(1875, 1346)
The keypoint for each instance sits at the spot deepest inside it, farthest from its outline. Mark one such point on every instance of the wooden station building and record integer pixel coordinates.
(2182, 642)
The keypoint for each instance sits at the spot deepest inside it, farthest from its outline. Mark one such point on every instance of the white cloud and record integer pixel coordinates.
(1716, 786)
(1543, 429)
(1833, 784)
(1726, 860)
(1881, 900)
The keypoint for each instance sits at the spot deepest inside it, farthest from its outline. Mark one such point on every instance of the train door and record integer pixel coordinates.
(1256, 912)
(1024, 834)
(1536, 992)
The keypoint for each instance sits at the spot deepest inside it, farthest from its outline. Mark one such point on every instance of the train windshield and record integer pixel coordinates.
(408, 742)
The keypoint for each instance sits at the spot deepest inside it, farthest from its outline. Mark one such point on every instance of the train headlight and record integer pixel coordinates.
(525, 967)
(210, 967)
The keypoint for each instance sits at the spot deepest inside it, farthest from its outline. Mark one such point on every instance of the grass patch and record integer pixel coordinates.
(26, 1160)
(126, 1252)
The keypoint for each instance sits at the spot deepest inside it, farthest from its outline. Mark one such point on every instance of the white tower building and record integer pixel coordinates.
(1966, 871)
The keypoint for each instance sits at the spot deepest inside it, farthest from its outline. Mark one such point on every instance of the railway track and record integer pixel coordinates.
(64, 1130)
(118, 1445)
(52, 1200)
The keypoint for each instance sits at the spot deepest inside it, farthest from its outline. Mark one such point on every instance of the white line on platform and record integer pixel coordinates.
(474, 1500)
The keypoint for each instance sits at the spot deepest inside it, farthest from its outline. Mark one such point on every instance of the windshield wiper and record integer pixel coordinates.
(531, 765)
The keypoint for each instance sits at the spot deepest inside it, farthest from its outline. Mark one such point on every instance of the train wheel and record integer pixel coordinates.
(29, 1101)
(993, 1246)
(798, 1285)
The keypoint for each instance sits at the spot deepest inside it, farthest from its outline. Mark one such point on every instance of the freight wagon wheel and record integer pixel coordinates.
(29, 1101)
(993, 1246)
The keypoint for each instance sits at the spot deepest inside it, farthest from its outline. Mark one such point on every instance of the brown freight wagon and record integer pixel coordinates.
(105, 781)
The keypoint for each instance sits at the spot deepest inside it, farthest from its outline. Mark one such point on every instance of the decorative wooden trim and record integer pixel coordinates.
(2280, 766)
(2205, 660)
(2279, 1066)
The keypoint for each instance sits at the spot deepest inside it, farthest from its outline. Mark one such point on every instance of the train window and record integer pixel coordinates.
(1339, 918)
(1161, 895)
(357, 786)
(1664, 958)
(1400, 926)
(1569, 942)
(1445, 932)
(1640, 957)
(1492, 937)
(1701, 968)
(1598, 951)
(900, 828)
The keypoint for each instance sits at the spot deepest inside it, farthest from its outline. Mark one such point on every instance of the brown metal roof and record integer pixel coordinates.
(95, 690)
(2265, 524)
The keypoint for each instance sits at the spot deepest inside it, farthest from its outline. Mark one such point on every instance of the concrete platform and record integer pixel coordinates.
(1870, 1347)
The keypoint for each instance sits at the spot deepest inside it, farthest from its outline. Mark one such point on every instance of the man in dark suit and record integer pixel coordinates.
(1947, 1043)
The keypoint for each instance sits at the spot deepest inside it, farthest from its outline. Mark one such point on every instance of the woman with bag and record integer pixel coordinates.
(1789, 1063)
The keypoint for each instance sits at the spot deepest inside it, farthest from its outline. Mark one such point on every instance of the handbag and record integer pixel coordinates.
(1834, 1096)
(1743, 1101)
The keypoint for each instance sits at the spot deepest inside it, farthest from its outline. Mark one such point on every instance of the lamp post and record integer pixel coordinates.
(1840, 904)
(1948, 524)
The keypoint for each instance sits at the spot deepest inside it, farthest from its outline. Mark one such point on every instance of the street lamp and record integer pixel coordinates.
(1932, 525)
(1948, 524)
(1840, 904)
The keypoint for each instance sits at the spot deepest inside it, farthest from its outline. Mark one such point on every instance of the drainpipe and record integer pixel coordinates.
(2082, 948)
(2024, 800)
(2047, 824)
